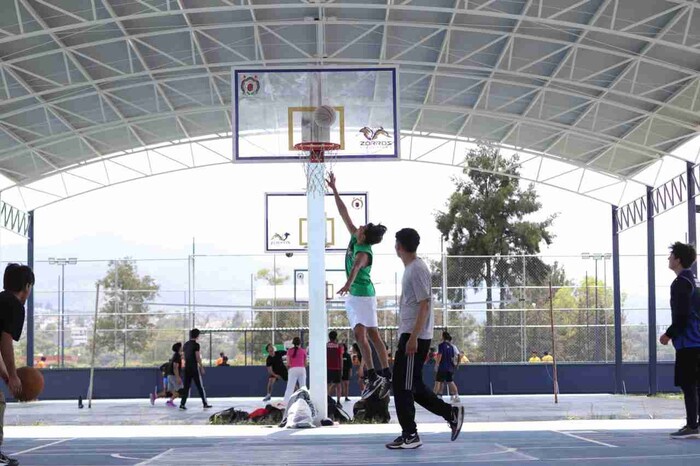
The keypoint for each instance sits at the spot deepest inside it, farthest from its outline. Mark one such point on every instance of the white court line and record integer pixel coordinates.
(41, 446)
(204, 431)
(585, 439)
(120, 457)
(157, 457)
(516, 452)
(618, 458)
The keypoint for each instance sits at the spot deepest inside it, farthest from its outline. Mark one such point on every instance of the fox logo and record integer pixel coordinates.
(279, 237)
(372, 134)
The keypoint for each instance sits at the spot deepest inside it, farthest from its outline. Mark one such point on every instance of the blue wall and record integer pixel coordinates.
(470, 379)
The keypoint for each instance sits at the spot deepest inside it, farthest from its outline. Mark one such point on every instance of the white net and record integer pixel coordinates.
(318, 160)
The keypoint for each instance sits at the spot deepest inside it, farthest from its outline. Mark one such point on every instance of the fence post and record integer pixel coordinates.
(444, 290)
(523, 314)
(651, 285)
(617, 303)
(690, 188)
(30, 299)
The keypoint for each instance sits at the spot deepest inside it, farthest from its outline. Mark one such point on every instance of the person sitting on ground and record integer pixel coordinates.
(220, 359)
(42, 363)
(548, 358)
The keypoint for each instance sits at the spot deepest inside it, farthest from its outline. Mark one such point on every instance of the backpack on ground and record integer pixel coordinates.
(300, 412)
(228, 416)
(299, 415)
(257, 415)
(274, 414)
(373, 409)
(336, 412)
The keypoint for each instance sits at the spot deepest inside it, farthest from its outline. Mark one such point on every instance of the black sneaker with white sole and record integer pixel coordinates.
(385, 387)
(401, 442)
(456, 421)
(4, 460)
(376, 383)
(182, 408)
(685, 432)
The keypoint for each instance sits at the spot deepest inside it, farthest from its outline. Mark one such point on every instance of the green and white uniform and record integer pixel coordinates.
(361, 303)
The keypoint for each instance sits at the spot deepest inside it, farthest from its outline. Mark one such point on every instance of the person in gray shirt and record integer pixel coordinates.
(416, 331)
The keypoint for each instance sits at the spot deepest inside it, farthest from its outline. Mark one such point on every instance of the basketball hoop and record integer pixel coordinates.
(318, 159)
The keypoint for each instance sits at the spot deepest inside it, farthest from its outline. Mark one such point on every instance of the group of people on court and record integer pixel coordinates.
(416, 322)
(415, 334)
(182, 370)
(340, 363)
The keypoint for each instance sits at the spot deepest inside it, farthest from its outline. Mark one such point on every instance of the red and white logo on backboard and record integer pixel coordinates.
(250, 85)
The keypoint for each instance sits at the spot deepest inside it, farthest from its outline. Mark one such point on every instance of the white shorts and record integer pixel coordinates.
(362, 310)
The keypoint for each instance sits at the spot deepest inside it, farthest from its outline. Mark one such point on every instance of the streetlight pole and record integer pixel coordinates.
(62, 261)
(596, 257)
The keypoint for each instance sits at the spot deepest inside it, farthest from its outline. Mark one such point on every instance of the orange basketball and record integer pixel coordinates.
(32, 383)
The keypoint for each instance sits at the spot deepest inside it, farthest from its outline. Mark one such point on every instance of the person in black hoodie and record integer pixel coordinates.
(684, 331)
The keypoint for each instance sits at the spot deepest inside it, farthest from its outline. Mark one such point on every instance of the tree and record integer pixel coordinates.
(485, 217)
(124, 324)
(273, 278)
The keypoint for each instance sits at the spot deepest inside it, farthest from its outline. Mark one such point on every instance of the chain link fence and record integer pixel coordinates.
(496, 308)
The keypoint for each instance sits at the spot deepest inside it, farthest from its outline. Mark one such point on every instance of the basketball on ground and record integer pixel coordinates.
(32, 383)
(324, 116)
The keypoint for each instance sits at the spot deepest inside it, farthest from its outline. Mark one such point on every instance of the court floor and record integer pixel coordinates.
(595, 442)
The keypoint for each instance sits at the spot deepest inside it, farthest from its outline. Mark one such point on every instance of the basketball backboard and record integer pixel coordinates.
(274, 108)
(286, 223)
(335, 279)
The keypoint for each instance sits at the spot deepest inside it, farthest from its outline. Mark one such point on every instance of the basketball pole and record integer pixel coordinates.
(316, 232)
(94, 341)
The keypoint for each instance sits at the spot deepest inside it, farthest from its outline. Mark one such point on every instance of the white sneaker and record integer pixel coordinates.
(455, 399)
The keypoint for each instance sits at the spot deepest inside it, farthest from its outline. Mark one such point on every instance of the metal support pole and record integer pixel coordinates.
(63, 315)
(445, 316)
(211, 354)
(690, 187)
(617, 302)
(30, 299)
(651, 285)
(126, 310)
(605, 305)
(245, 348)
(194, 286)
(252, 298)
(596, 317)
(58, 321)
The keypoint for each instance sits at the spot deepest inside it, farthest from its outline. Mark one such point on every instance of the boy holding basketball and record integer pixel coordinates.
(17, 283)
(361, 303)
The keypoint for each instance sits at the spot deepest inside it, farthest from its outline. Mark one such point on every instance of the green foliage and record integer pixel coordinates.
(125, 309)
(487, 215)
(276, 277)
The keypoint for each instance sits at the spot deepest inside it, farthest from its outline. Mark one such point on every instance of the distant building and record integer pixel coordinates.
(79, 335)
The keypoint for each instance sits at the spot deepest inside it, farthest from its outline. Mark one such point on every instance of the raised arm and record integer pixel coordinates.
(342, 209)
